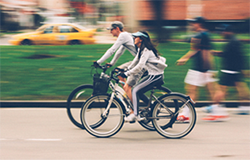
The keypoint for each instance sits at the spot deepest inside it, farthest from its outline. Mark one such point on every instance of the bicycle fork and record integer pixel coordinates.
(105, 113)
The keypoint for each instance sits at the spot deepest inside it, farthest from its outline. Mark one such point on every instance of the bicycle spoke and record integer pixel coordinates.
(109, 124)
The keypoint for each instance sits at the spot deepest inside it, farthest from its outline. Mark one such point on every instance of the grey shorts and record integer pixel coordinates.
(133, 78)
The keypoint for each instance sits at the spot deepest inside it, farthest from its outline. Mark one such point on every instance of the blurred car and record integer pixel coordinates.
(56, 34)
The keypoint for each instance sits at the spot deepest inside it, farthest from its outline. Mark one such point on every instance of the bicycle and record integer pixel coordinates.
(162, 112)
(80, 94)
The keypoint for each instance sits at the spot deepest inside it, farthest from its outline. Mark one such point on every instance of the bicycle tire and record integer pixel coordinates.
(114, 120)
(79, 95)
(147, 124)
(172, 128)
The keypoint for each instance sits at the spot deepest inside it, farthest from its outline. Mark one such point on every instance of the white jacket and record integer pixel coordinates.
(149, 61)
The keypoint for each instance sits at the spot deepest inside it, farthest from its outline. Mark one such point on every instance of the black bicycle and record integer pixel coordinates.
(79, 95)
(102, 115)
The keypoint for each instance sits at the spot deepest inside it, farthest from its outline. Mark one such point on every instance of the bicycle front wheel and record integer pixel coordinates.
(113, 117)
(165, 115)
(76, 100)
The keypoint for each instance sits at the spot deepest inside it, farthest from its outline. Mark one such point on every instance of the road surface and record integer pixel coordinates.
(47, 133)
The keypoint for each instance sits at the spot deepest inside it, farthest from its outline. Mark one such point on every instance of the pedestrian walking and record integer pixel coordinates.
(200, 74)
(231, 75)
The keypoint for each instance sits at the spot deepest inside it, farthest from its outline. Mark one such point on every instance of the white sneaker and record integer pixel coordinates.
(243, 110)
(207, 109)
(218, 114)
(132, 118)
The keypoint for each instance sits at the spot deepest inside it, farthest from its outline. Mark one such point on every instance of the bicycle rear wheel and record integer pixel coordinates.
(113, 120)
(167, 124)
(147, 123)
(76, 100)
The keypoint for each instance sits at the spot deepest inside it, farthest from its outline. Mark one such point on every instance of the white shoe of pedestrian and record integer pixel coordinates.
(243, 110)
(207, 109)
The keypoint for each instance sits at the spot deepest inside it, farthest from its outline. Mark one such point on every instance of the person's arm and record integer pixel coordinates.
(118, 54)
(111, 51)
(133, 63)
(140, 65)
(195, 42)
(186, 57)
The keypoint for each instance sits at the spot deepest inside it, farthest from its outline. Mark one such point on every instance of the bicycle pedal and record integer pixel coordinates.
(132, 122)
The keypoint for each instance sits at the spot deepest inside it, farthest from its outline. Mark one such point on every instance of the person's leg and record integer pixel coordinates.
(243, 90)
(217, 111)
(220, 94)
(132, 80)
(212, 88)
(215, 90)
(244, 96)
(192, 91)
(143, 86)
(193, 80)
(124, 66)
(128, 89)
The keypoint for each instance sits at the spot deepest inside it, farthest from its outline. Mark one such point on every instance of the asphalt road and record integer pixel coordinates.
(47, 133)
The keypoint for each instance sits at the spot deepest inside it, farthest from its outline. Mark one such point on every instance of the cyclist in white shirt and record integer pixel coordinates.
(124, 41)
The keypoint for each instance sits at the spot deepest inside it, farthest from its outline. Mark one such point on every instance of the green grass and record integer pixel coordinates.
(23, 78)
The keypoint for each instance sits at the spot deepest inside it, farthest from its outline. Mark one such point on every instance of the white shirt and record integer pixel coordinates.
(124, 41)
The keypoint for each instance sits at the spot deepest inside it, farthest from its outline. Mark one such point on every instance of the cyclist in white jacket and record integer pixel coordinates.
(147, 57)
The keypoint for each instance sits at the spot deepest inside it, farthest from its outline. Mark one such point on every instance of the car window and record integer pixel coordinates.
(66, 29)
(49, 29)
(42, 28)
(80, 27)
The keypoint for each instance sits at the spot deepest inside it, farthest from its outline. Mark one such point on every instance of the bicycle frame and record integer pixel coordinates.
(118, 92)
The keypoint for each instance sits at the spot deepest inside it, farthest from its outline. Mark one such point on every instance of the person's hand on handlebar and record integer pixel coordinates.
(108, 65)
(96, 65)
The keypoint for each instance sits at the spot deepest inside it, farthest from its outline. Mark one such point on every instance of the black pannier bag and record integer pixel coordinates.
(100, 84)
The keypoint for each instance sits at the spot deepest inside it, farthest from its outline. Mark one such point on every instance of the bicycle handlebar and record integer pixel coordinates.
(104, 69)
(115, 76)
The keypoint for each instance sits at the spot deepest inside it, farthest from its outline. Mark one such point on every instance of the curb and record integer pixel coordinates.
(63, 104)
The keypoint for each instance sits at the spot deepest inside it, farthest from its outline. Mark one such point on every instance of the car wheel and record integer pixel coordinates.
(26, 42)
(74, 42)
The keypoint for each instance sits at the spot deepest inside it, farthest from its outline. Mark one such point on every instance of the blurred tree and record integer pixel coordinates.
(248, 27)
(1, 19)
(162, 34)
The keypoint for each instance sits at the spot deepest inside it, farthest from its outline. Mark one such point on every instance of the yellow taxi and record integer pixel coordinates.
(56, 34)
